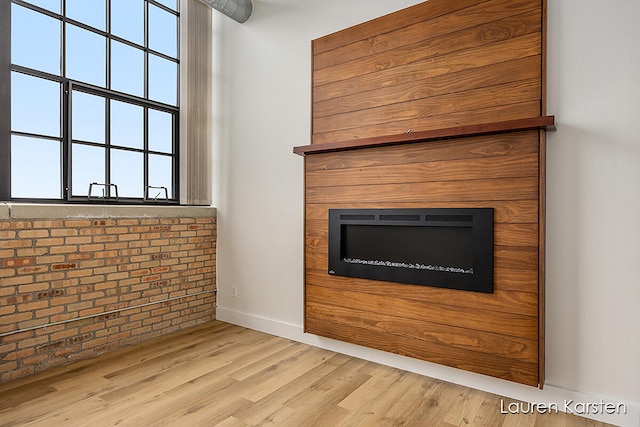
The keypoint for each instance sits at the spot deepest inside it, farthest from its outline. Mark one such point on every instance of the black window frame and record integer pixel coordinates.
(67, 87)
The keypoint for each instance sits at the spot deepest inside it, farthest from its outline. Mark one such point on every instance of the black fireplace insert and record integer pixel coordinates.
(443, 247)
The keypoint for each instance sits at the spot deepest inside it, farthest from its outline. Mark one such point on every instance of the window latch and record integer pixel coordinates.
(104, 187)
(166, 192)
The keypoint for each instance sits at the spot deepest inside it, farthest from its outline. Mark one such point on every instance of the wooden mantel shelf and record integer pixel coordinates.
(546, 122)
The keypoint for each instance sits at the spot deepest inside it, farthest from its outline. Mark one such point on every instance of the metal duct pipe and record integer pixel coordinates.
(238, 10)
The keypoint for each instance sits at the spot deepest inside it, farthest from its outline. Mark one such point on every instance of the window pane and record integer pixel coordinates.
(163, 31)
(127, 172)
(127, 69)
(35, 105)
(52, 5)
(35, 40)
(173, 4)
(88, 12)
(127, 20)
(160, 175)
(86, 56)
(35, 168)
(87, 166)
(127, 125)
(87, 119)
(163, 80)
(160, 131)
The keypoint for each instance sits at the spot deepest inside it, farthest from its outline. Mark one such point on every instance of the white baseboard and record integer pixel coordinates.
(625, 414)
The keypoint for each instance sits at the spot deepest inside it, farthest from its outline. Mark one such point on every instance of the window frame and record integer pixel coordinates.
(67, 87)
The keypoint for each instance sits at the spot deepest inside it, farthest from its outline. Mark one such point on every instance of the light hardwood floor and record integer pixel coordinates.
(224, 375)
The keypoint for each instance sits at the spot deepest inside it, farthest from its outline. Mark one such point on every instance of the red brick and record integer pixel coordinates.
(95, 231)
(136, 273)
(50, 276)
(7, 309)
(64, 301)
(32, 306)
(7, 347)
(137, 244)
(18, 280)
(31, 234)
(35, 359)
(117, 230)
(64, 266)
(94, 343)
(7, 234)
(79, 273)
(63, 250)
(105, 239)
(49, 311)
(17, 262)
(149, 236)
(47, 224)
(79, 257)
(92, 264)
(91, 311)
(32, 342)
(77, 240)
(77, 223)
(79, 306)
(93, 247)
(16, 243)
(52, 241)
(129, 237)
(51, 259)
(89, 280)
(119, 336)
(7, 253)
(64, 232)
(116, 246)
(106, 254)
(33, 270)
(16, 355)
(14, 225)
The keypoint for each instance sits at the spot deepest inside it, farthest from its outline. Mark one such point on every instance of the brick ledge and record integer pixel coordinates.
(49, 211)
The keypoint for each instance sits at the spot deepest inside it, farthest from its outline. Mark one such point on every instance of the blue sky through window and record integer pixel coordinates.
(127, 69)
(127, 20)
(101, 121)
(42, 117)
(86, 56)
(35, 168)
(88, 117)
(35, 40)
(92, 12)
(127, 125)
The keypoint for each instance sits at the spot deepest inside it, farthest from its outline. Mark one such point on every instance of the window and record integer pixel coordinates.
(93, 97)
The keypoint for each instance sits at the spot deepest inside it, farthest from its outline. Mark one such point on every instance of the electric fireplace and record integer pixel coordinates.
(444, 247)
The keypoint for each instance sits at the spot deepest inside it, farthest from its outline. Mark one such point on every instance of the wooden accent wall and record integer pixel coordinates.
(439, 64)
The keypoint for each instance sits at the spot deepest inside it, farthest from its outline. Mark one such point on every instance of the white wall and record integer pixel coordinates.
(593, 196)
(593, 188)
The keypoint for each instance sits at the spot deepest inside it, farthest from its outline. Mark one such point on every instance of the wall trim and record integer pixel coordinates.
(488, 384)
(67, 211)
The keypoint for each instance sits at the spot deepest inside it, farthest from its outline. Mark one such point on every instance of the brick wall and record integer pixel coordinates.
(72, 288)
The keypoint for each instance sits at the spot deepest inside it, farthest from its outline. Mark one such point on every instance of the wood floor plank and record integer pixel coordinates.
(469, 403)
(297, 365)
(271, 407)
(224, 375)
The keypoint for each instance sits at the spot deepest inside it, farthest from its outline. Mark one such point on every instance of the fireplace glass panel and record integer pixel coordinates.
(439, 246)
